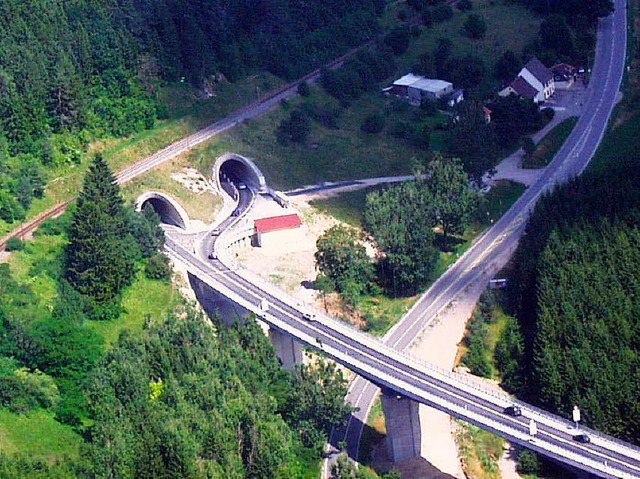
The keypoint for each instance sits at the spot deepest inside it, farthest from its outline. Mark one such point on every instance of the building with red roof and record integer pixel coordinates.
(277, 229)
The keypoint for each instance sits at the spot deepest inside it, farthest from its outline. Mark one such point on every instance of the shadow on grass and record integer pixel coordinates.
(451, 244)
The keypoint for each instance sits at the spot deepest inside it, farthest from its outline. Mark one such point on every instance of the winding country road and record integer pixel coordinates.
(496, 245)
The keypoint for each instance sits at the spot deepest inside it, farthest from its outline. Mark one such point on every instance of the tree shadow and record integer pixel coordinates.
(451, 245)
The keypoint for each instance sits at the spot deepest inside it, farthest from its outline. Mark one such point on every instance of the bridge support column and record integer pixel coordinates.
(289, 351)
(404, 437)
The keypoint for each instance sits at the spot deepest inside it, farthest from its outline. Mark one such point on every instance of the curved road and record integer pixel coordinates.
(497, 244)
(388, 368)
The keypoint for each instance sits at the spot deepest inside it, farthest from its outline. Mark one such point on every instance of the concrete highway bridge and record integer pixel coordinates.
(405, 381)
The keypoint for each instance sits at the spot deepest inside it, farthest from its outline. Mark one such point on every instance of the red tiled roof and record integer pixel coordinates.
(275, 223)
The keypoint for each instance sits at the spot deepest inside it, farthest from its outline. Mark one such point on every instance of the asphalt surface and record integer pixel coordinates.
(371, 359)
(498, 243)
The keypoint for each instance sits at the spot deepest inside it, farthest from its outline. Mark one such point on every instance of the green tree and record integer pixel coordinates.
(401, 220)
(342, 258)
(508, 65)
(316, 404)
(475, 26)
(97, 260)
(454, 201)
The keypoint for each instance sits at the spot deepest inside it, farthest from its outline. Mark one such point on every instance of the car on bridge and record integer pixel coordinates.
(582, 438)
(513, 410)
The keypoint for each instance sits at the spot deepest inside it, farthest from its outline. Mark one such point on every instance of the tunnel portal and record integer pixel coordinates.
(169, 210)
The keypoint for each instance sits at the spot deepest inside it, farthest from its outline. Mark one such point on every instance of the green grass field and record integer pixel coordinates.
(328, 154)
(509, 27)
(547, 148)
(347, 206)
(145, 298)
(38, 435)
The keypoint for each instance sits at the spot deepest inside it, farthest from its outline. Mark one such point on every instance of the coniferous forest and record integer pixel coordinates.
(574, 288)
(72, 72)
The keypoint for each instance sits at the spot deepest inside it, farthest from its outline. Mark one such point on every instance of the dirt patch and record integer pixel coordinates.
(192, 180)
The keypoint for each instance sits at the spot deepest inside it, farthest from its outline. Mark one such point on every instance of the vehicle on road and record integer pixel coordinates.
(513, 410)
(582, 438)
(236, 212)
(241, 185)
(216, 232)
(309, 316)
(213, 255)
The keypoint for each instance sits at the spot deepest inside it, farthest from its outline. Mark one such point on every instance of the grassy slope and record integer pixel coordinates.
(199, 206)
(187, 113)
(37, 434)
(329, 154)
(547, 148)
(509, 27)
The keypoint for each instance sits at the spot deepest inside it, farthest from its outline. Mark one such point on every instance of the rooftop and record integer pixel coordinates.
(432, 85)
(275, 223)
(407, 80)
(538, 70)
(523, 88)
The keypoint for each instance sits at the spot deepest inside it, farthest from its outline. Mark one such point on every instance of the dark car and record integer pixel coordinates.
(513, 410)
(582, 438)
(213, 255)
(236, 212)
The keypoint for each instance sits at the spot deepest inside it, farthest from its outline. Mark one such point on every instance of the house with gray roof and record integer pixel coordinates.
(535, 81)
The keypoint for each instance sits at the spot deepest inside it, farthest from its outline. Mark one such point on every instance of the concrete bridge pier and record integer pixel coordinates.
(289, 351)
(404, 435)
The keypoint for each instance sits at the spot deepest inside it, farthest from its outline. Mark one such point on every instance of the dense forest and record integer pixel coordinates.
(71, 72)
(577, 336)
(187, 397)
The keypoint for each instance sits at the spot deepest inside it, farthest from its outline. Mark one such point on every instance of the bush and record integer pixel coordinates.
(158, 267)
(528, 462)
(398, 40)
(296, 128)
(304, 89)
(475, 27)
(548, 114)
(373, 124)
(464, 5)
(15, 244)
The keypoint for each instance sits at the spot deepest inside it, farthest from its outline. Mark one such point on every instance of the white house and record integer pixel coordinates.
(539, 77)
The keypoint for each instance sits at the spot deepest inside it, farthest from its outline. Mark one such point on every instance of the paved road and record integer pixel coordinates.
(372, 359)
(502, 238)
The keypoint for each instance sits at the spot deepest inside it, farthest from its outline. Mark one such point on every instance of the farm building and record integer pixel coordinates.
(418, 88)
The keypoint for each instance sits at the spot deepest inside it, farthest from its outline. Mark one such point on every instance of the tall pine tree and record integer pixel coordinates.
(97, 259)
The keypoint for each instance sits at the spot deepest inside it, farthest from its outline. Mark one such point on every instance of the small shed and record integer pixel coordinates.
(277, 230)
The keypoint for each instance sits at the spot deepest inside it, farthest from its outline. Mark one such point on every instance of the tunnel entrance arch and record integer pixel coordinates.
(169, 210)
(234, 167)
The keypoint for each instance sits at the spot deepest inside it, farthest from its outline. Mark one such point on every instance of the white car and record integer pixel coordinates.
(241, 185)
